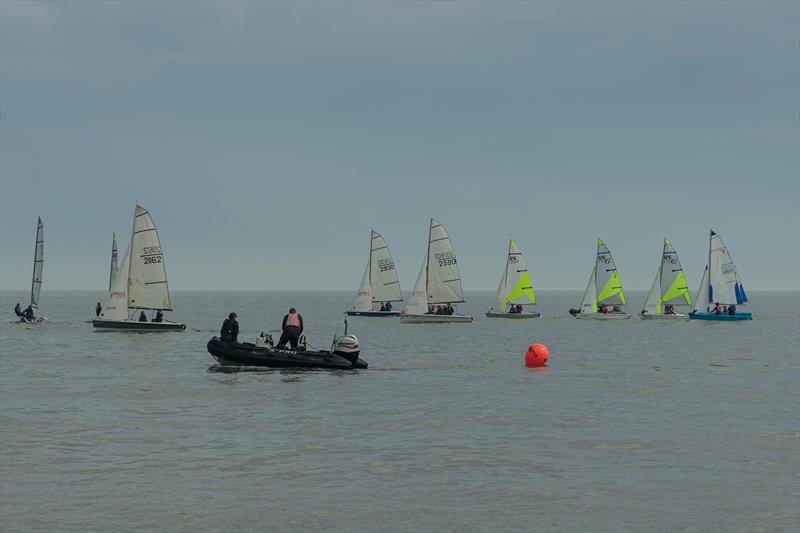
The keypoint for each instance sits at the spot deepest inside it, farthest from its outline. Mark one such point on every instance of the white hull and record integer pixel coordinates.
(653, 316)
(603, 316)
(135, 325)
(433, 319)
(513, 315)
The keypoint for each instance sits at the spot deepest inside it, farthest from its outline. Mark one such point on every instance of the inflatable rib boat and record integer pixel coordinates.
(343, 356)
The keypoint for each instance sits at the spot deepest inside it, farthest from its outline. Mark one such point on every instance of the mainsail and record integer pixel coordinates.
(443, 279)
(669, 286)
(607, 282)
(147, 277)
(515, 283)
(114, 268)
(38, 263)
(725, 285)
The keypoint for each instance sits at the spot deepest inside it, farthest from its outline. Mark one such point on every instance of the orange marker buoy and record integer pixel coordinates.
(536, 356)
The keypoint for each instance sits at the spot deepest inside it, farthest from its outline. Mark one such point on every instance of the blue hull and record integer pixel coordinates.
(712, 316)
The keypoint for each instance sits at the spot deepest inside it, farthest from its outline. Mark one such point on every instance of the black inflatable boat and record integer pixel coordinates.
(344, 355)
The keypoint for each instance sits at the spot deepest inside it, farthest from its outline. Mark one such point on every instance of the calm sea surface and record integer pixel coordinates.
(635, 426)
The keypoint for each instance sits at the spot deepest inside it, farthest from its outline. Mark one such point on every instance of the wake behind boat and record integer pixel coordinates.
(438, 284)
(379, 285)
(140, 284)
(604, 289)
(515, 290)
(669, 288)
(721, 290)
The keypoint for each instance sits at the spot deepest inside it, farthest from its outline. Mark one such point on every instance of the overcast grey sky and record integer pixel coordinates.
(268, 138)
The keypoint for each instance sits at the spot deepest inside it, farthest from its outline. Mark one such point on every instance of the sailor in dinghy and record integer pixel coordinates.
(379, 283)
(721, 285)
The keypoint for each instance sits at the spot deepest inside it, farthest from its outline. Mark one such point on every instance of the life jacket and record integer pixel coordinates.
(293, 319)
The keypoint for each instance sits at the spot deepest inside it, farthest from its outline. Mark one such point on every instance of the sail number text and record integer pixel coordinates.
(445, 258)
(385, 265)
(151, 255)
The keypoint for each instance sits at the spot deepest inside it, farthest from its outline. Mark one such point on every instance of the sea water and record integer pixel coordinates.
(634, 426)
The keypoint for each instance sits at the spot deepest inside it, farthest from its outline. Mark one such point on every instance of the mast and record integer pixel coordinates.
(427, 261)
(128, 273)
(369, 265)
(39, 228)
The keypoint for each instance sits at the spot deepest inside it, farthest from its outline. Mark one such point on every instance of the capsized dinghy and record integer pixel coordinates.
(669, 288)
(721, 285)
(140, 283)
(515, 290)
(379, 285)
(438, 283)
(604, 289)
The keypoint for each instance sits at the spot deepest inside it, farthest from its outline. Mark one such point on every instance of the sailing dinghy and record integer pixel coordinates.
(721, 285)
(604, 290)
(669, 288)
(438, 284)
(515, 290)
(379, 285)
(140, 283)
(36, 281)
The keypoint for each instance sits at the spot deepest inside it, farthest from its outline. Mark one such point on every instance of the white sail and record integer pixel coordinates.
(726, 287)
(147, 277)
(607, 283)
(515, 282)
(653, 304)
(703, 300)
(673, 287)
(384, 284)
(116, 306)
(444, 280)
(589, 302)
(418, 303)
(363, 301)
(38, 264)
(114, 267)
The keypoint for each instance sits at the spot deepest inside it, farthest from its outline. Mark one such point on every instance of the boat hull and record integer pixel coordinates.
(602, 316)
(433, 319)
(135, 325)
(248, 354)
(513, 315)
(373, 313)
(653, 316)
(721, 318)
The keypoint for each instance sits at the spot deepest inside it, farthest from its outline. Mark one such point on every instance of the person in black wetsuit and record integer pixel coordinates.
(98, 309)
(18, 310)
(28, 313)
(230, 329)
(159, 316)
(292, 327)
(142, 317)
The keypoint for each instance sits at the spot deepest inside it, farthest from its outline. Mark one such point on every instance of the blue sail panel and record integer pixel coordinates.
(710, 294)
(744, 294)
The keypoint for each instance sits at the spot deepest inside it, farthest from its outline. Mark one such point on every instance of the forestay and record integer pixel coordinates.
(443, 278)
(515, 283)
(147, 277)
(607, 282)
(38, 264)
(726, 286)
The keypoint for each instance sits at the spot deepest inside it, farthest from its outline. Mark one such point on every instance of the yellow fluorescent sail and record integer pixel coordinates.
(522, 288)
(678, 288)
(612, 287)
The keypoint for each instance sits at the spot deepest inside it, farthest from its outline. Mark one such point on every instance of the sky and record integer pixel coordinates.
(267, 138)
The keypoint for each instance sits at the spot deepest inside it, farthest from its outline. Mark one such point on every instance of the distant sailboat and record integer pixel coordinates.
(603, 290)
(114, 268)
(438, 284)
(379, 285)
(515, 288)
(140, 283)
(36, 279)
(669, 288)
(720, 285)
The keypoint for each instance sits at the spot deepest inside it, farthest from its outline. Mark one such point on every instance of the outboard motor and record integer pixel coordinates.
(347, 347)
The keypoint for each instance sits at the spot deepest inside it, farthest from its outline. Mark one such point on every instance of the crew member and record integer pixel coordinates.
(142, 317)
(28, 313)
(98, 309)
(292, 328)
(230, 329)
(18, 309)
(159, 316)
